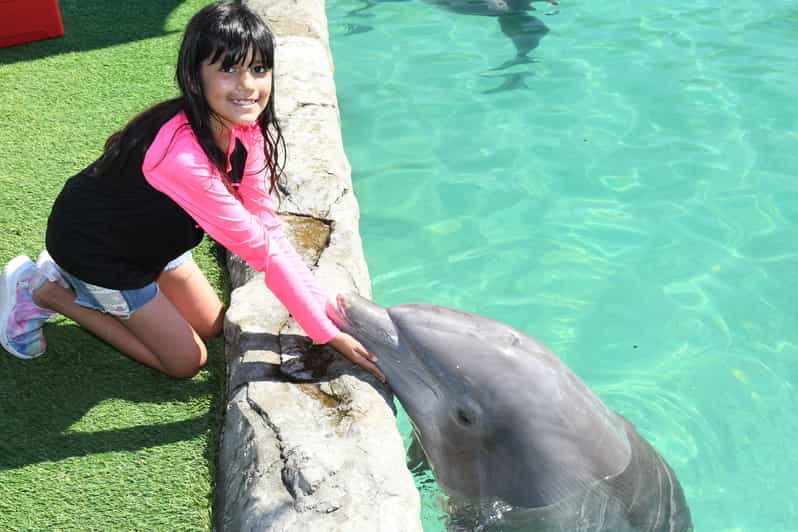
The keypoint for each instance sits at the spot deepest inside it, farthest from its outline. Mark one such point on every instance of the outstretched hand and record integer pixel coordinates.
(356, 353)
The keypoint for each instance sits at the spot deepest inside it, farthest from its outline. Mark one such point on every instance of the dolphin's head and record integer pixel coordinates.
(374, 327)
(496, 413)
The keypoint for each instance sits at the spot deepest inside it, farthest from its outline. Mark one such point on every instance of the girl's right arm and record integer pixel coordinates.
(177, 166)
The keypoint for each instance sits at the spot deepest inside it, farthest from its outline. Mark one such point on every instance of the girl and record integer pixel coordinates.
(120, 232)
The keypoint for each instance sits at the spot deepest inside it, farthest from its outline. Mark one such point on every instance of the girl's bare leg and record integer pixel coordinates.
(104, 326)
(195, 299)
(166, 333)
(169, 337)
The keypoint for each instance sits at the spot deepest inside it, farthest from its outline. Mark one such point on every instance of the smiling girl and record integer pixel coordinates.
(121, 231)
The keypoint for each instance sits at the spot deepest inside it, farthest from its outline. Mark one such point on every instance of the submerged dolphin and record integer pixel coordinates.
(489, 7)
(524, 30)
(515, 439)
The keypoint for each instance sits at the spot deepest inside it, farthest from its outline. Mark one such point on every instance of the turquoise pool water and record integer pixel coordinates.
(630, 199)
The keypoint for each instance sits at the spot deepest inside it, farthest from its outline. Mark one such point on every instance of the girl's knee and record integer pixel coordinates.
(188, 365)
(210, 330)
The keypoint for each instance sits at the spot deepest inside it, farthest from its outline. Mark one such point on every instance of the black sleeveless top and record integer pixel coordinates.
(117, 231)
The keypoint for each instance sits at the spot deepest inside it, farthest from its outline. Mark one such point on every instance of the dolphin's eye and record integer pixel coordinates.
(464, 417)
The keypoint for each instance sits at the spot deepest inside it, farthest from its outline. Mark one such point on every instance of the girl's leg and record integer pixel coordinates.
(165, 334)
(106, 327)
(169, 337)
(191, 293)
(173, 324)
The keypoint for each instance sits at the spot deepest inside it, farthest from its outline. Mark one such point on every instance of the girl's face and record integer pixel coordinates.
(240, 93)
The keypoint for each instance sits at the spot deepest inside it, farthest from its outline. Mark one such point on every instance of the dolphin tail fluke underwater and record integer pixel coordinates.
(515, 61)
(512, 81)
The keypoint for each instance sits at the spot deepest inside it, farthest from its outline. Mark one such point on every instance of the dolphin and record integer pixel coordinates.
(515, 439)
(524, 30)
(489, 7)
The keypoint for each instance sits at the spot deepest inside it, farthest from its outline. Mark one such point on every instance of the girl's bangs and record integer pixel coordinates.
(233, 48)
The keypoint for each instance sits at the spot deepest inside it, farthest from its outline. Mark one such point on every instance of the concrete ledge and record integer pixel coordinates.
(309, 441)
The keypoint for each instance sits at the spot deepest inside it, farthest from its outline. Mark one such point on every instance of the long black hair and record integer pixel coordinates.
(226, 31)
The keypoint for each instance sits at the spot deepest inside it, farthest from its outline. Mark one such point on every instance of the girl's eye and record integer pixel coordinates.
(228, 70)
(259, 69)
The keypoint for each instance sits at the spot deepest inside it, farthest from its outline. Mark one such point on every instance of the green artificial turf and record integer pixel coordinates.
(90, 440)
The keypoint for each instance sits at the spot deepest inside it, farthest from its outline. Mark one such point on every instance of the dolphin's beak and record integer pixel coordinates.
(366, 321)
(372, 325)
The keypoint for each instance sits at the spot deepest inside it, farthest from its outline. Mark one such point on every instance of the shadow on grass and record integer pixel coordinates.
(93, 24)
(41, 399)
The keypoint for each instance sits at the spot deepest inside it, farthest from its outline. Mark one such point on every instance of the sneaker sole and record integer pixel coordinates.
(8, 299)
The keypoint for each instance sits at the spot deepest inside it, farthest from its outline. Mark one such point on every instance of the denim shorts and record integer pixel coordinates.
(119, 303)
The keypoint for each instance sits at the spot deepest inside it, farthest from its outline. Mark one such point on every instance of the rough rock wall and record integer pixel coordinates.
(309, 441)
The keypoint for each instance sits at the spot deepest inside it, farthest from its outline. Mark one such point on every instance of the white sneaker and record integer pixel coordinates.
(47, 267)
(21, 320)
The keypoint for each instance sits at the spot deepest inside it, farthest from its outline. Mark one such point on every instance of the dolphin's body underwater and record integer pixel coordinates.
(516, 440)
(524, 30)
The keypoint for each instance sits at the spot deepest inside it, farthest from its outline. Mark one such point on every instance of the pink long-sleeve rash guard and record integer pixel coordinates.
(176, 166)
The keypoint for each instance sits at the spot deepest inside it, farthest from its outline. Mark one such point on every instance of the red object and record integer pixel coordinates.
(29, 20)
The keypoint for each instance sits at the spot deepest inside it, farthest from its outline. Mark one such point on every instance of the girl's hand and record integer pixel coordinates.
(356, 353)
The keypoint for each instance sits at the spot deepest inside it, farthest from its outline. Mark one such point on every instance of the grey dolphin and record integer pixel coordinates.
(513, 436)
(489, 7)
(524, 30)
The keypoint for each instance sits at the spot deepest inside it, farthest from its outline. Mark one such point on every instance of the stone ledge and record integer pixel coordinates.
(309, 441)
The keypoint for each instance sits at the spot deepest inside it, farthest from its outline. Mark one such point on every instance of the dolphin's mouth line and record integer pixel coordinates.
(377, 335)
(435, 391)
(403, 371)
